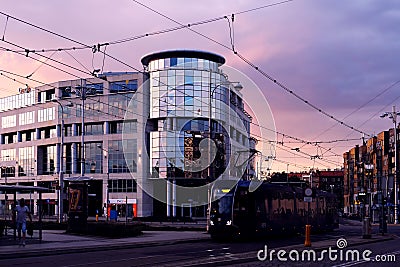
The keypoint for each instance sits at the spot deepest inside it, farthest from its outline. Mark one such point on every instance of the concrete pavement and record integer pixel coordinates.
(57, 242)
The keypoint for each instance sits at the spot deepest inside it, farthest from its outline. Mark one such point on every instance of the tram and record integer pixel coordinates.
(272, 209)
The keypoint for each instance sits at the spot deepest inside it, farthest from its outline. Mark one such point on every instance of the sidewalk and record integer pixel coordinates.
(57, 242)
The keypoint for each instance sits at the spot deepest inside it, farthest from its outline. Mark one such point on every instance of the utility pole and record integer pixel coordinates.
(82, 91)
(61, 159)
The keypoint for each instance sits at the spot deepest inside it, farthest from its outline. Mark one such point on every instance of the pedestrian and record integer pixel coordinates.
(22, 211)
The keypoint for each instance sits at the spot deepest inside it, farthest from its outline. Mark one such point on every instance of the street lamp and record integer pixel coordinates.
(5, 193)
(61, 172)
(393, 115)
(108, 181)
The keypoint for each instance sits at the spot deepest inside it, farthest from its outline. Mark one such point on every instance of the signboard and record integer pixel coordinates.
(307, 199)
(122, 201)
(75, 196)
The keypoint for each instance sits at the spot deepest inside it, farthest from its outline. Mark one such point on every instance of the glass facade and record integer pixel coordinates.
(182, 92)
(118, 103)
(120, 162)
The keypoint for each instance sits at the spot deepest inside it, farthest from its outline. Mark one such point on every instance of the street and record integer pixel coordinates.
(209, 253)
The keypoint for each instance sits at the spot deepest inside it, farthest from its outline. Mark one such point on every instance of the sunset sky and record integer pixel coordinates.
(342, 56)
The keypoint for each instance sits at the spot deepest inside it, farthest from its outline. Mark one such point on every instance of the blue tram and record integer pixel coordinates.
(237, 211)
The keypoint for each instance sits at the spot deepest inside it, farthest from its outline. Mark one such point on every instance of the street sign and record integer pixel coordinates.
(308, 192)
(307, 199)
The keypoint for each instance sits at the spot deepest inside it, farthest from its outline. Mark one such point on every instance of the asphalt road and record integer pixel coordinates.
(191, 253)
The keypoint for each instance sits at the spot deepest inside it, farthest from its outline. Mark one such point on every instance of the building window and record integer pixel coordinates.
(68, 158)
(10, 138)
(122, 186)
(8, 154)
(49, 132)
(94, 129)
(18, 101)
(9, 121)
(49, 155)
(8, 171)
(47, 114)
(28, 136)
(93, 158)
(118, 103)
(120, 86)
(115, 127)
(120, 162)
(129, 126)
(26, 161)
(68, 130)
(65, 91)
(27, 118)
(96, 86)
(47, 95)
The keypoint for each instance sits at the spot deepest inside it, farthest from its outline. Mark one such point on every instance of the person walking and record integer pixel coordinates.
(22, 211)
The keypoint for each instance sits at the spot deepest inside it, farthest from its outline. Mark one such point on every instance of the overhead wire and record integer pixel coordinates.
(88, 73)
(258, 69)
(62, 36)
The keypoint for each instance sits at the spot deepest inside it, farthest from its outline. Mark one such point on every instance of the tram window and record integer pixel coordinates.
(224, 204)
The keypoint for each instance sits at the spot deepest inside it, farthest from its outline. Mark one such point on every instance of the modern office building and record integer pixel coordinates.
(31, 136)
(138, 129)
(192, 100)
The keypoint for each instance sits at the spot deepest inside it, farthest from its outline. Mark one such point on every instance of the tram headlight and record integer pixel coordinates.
(229, 222)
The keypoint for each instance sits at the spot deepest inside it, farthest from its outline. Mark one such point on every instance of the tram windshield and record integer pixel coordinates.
(222, 203)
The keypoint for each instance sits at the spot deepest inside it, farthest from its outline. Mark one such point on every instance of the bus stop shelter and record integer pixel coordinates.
(13, 190)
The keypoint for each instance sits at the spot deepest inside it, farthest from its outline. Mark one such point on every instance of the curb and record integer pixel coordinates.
(59, 251)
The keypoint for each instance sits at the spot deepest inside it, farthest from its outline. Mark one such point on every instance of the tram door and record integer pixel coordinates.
(243, 211)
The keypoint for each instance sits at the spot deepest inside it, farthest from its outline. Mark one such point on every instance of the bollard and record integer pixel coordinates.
(97, 217)
(307, 242)
(366, 230)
